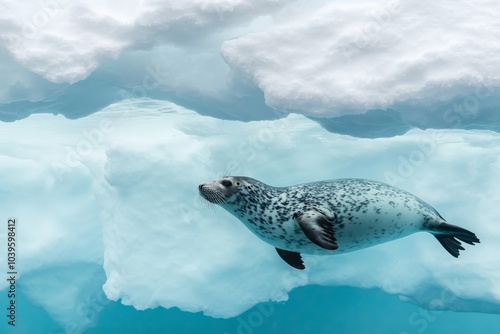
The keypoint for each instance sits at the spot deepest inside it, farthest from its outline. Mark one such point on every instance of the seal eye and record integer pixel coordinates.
(226, 183)
(237, 183)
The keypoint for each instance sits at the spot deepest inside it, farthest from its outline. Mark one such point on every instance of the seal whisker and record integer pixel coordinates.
(220, 200)
(227, 171)
(213, 197)
(212, 206)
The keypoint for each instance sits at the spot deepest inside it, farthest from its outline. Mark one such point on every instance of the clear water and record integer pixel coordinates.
(312, 309)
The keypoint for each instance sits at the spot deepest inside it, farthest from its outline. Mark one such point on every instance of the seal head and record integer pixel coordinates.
(228, 191)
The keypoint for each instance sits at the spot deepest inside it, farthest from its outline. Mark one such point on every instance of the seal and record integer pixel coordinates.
(330, 217)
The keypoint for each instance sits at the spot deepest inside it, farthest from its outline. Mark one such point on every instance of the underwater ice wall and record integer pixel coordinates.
(127, 179)
(166, 228)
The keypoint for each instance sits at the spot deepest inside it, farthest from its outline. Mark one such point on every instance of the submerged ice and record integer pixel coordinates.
(121, 186)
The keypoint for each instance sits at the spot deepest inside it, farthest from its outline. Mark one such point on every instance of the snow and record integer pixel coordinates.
(343, 59)
(65, 41)
(431, 63)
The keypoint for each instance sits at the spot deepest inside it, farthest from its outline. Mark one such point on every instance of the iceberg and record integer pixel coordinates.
(337, 63)
(340, 59)
(125, 181)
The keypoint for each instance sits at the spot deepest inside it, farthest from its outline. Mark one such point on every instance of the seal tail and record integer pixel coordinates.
(449, 236)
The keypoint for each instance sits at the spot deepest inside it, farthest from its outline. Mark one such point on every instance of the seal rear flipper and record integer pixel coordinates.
(292, 258)
(448, 234)
(318, 227)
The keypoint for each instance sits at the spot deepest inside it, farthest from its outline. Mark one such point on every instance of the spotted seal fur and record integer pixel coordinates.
(330, 217)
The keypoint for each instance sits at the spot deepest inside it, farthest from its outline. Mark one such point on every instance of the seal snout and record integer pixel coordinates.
(203, 191)
(202, 188)
(211, 193)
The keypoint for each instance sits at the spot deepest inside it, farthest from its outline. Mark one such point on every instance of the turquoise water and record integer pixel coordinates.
(312, 309)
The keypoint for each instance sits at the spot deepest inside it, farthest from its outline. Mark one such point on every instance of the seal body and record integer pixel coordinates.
(330, 217)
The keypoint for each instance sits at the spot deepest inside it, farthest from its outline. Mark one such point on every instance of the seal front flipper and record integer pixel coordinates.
(318, 227)
(292, 258)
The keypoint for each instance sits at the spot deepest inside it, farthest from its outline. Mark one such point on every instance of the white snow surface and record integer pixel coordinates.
(118, 189)
(343, 58)
(317, 58)
(64, 41)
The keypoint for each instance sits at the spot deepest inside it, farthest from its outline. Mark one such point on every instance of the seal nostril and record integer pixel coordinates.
(200, 186)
